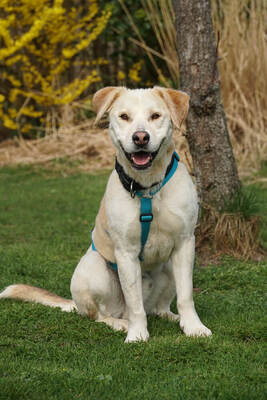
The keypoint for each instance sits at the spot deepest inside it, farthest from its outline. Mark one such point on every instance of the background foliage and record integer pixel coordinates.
(44, 57)
(55, 53)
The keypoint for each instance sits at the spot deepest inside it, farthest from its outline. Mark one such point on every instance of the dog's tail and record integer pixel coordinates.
(37, 295)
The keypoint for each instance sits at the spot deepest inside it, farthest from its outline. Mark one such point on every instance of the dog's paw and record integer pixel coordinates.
(195, 328)
(68, 307)
(169, 315)
(120, 325)
(137, 335)
(117, 324)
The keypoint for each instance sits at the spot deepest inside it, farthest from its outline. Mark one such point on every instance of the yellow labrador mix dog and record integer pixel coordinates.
(143, 242)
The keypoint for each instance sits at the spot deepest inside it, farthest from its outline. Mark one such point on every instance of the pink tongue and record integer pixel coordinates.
(141, 158)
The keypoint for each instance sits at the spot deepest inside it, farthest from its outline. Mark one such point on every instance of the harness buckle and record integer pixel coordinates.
(132, 191)
(146, 217)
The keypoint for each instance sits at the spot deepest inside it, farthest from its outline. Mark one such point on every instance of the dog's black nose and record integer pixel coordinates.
(141, 138)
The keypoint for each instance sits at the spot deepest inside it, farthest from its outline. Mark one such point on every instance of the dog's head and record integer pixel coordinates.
(141, 120)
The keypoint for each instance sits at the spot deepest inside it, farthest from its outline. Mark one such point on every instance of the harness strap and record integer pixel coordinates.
(146, 215)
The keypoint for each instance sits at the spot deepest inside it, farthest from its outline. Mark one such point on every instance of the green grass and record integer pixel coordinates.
(45, 223)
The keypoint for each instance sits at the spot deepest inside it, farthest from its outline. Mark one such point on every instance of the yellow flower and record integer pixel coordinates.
(134, 71)
(29, 111)
(38, 76)
(121, 75)
(26, 128)
(12, 112)
(161, 78)
(15, 82)
(8, 123)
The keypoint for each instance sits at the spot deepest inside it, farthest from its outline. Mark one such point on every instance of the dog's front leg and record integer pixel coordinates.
(131, 282)
(182, 262)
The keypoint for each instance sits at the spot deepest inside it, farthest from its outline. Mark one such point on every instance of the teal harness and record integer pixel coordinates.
(146, 215)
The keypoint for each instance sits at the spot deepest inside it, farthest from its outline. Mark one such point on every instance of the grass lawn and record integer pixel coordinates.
(45, 222)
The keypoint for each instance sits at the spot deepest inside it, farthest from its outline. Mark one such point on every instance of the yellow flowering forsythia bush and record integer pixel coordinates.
(44, 57)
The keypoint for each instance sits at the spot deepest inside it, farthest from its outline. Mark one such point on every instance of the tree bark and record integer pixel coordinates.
(213, 161)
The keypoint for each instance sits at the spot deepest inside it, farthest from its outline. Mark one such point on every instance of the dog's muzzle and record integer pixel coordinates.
(141, 158)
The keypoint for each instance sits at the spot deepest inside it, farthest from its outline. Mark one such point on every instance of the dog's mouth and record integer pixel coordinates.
(141, 159)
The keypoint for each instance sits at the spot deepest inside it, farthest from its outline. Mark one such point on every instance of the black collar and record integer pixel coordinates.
(130, 184)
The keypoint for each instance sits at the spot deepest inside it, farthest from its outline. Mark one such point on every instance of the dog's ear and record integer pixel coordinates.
(103, 99)
(177, 102)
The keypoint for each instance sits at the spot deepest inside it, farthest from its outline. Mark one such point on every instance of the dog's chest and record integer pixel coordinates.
(174, 210)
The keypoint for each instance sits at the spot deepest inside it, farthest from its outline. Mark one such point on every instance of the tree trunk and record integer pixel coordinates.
(214, 164)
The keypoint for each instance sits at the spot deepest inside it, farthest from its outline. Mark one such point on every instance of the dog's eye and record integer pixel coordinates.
(125, 117)
(155, 116)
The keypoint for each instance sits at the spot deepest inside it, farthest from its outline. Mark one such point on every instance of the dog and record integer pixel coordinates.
(143, 243)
